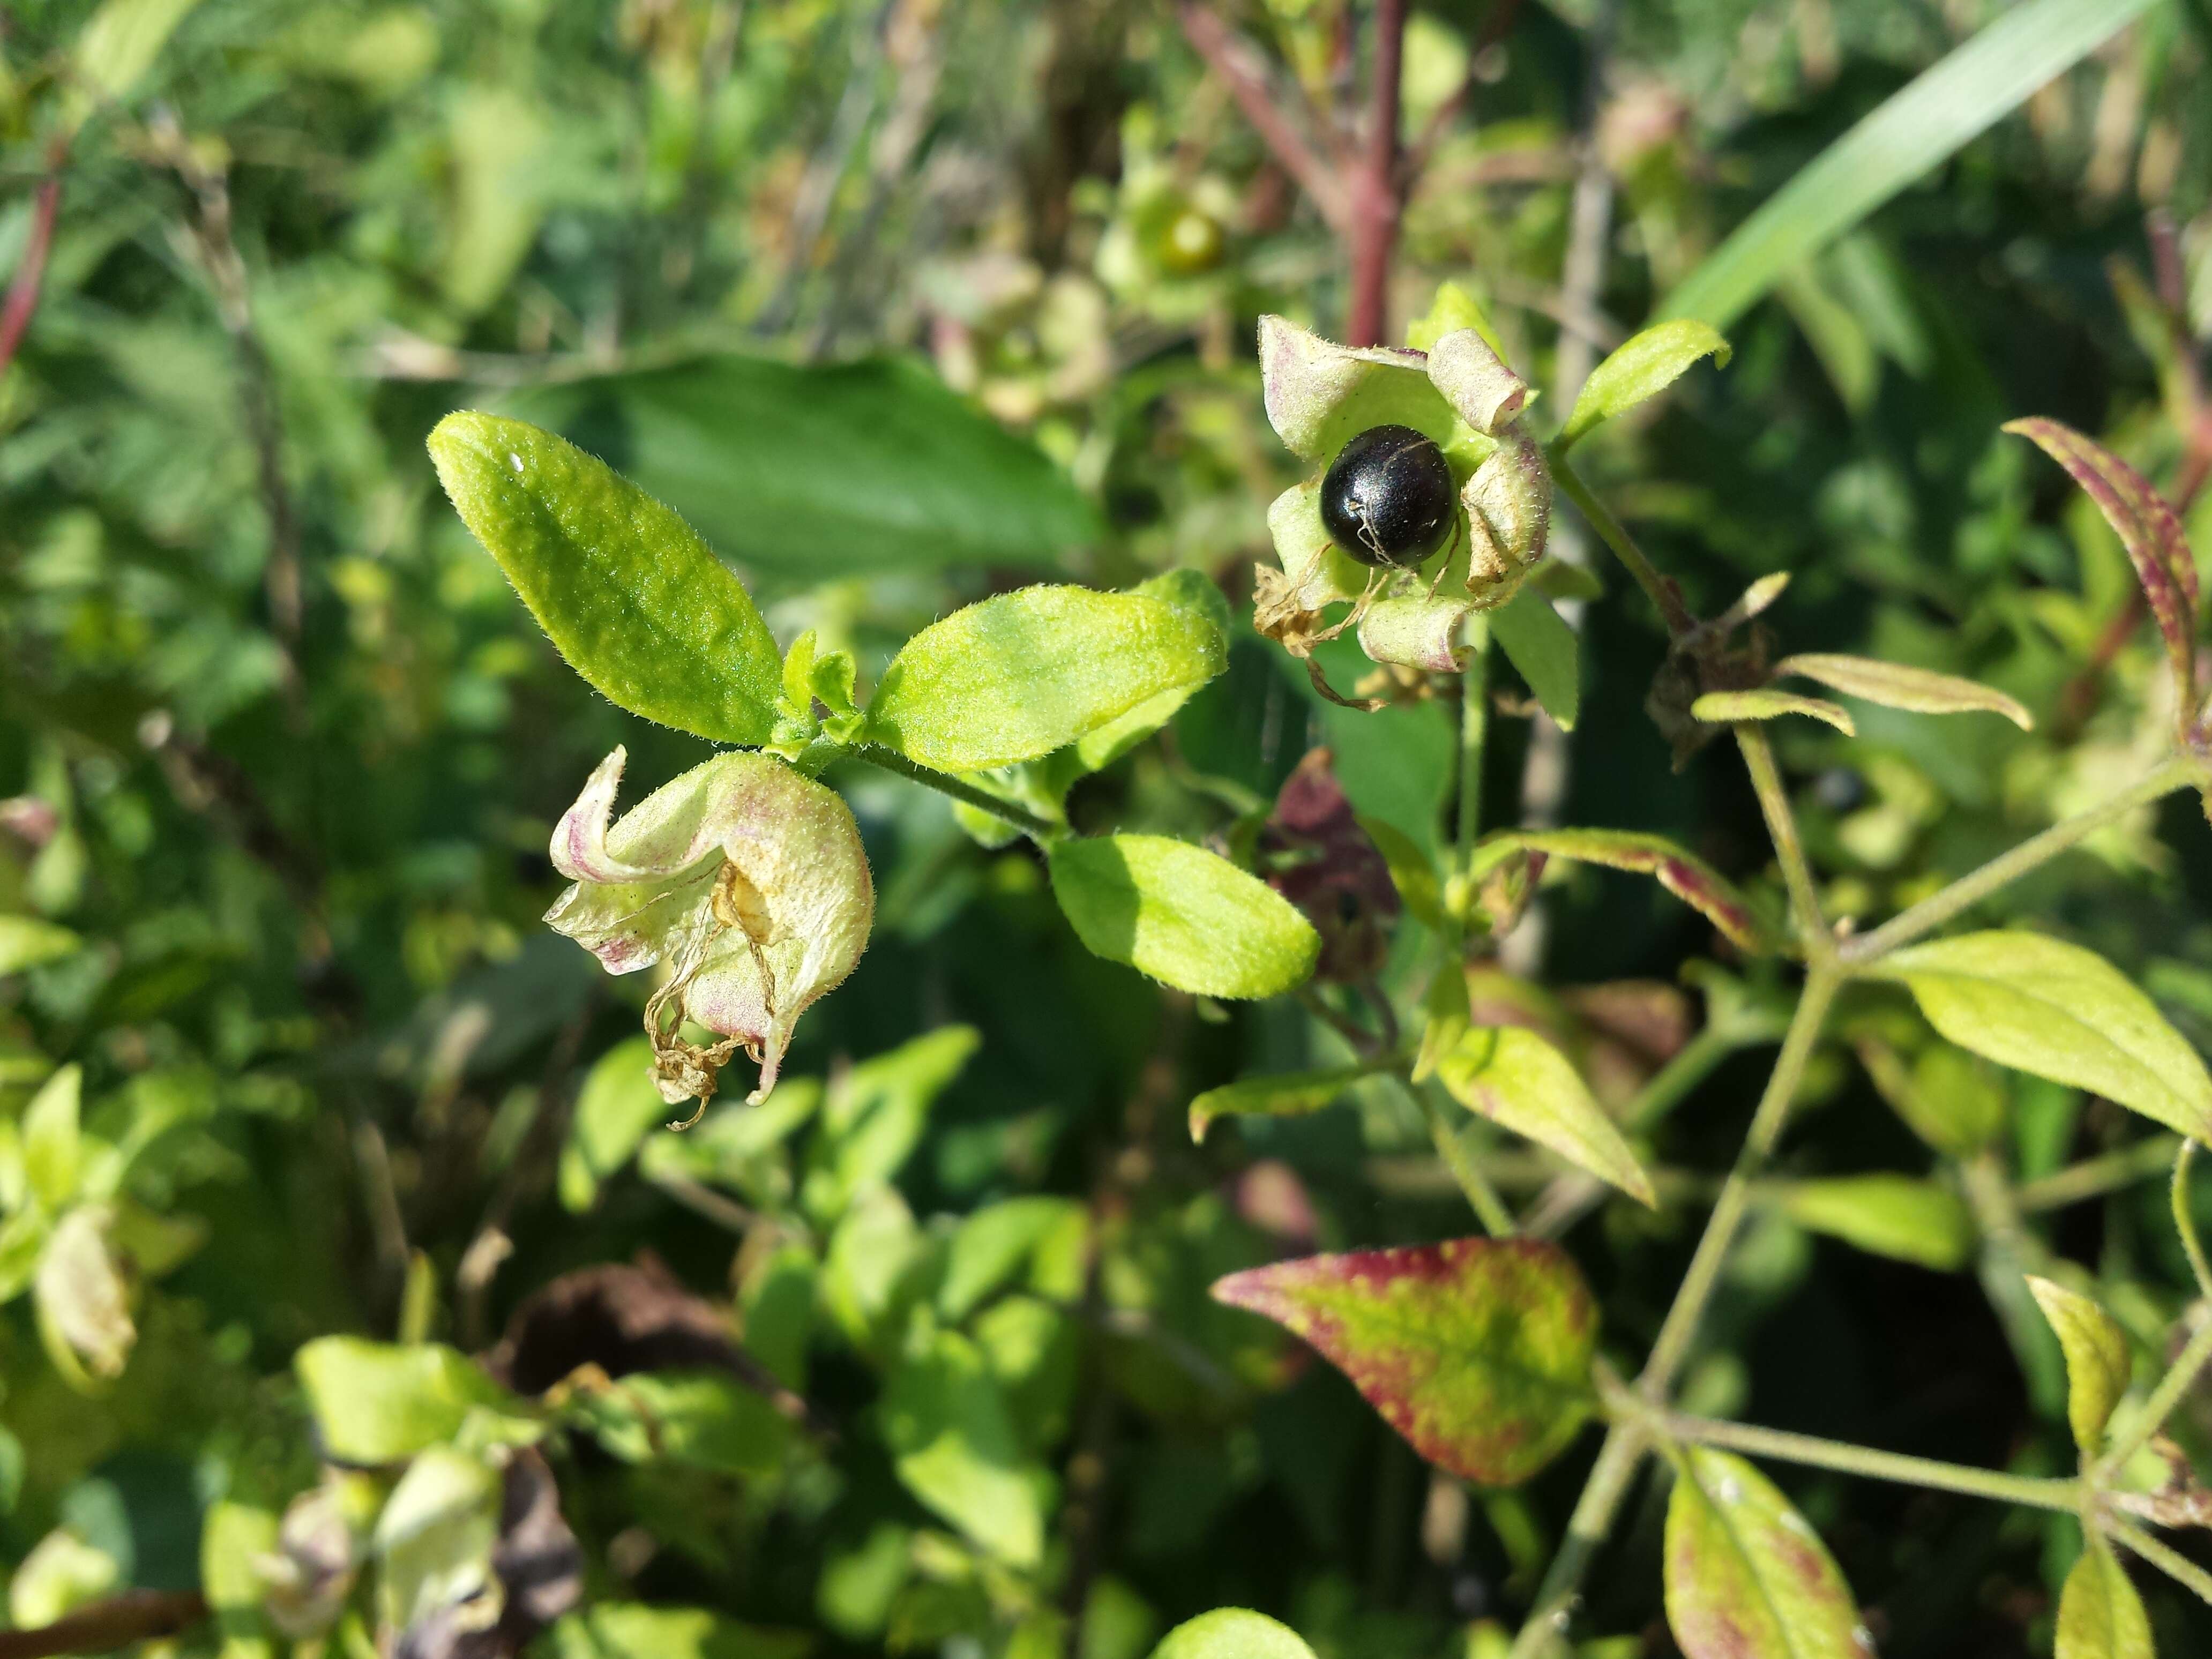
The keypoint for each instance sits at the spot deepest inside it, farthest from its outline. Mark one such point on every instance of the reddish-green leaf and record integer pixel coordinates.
(1746, 1576)
(1478, 1351)
(1688, 877)
(2147, 527)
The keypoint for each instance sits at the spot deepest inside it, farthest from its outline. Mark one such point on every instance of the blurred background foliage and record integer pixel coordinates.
(902, 301)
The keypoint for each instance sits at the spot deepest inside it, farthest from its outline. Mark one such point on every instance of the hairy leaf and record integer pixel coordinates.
(1688, 877)
(2099, 1614)
(1478, 1351)
(1544, 649)
(1718, 707)
(1287, 1094)
(1644, 366)
(1019, 676)
(1890, 1215)
(1232, 1633)
(1747, 1577)
(634, 600)
(2043, 1005)
(2097, 1365)
(1894, 685)
(1184, 916)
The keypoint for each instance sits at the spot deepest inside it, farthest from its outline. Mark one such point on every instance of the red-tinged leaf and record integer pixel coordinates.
(1747, 1577)
(1478, 1351)
(1688, 877)
(2147, 527)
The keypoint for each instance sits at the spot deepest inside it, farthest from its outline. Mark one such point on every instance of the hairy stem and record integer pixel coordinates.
(2170, 1561)
(945, 783)
(2038, 1492)
(2093, 1177)
(1489, 1208)
(1618, 1460)
(1782, 824)
(1473, 733)
(1971, 889)
(1658, 588)
(2185, 1219)
(2179, 1378)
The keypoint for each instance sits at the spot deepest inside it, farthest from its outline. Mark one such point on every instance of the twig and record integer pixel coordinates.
(1377, 190)
(29, 282)
(1234, 60)
(103, 1626)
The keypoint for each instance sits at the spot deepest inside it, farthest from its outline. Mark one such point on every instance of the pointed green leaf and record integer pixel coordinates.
(1517, 1080)
(1545, 650)
(1684, 875)
(1747, 1577)
(1478, 1351)
(1232, 1633)
(953, 1444)
(2097, 1365)
(375, 1402)
(1913, 131)
(634, 598)
(2041, 1005)
(1894, 685)
(27, 942)
(1890, 1215)
(1021, 675)
(1287, 1094)
(2099, 1614)
(1719, 708)
(1184, 916)
(1643, 367)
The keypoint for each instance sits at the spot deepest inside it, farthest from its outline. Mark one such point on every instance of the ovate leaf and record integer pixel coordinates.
(1232, 1633)
(2060, 1011)
(1019, 676)
(1478, 1351)
(2097, 1366)
(1287, 1094)
(2099, 1614)
(636, 601)
(1688, 877)
(52, 1147)
(1182, 914)
(27, 942)
(376, 1402)
(1544, 649)
(1908, 1220)
(953, 1444)
(2147, 527)
(1647, 365)
(1894, 685)
(1747, 1577)
(1718, 707)
(1517, 1080)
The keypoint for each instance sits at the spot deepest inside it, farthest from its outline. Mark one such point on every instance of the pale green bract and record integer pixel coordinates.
(1021, 675)
(2043, 1005)
(1646, 365)
(2098, 1365)
(1747, 1577)
(636, 602)
(1186, 916)
(1232, 1633)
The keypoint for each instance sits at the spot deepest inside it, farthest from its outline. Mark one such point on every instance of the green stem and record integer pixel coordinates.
(2093, 1177)
(1473, 733)
(1656, 587)
(2179, 1378)
(1489, 1208)
(2185, 1219)
(2171, 1562)
(1971, 889)
(1694, 1062)
(1813, 928)
(945, 783)
(1617, 1459)
(1816, 1453)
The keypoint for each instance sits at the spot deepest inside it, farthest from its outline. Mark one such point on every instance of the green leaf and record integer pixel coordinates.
(117, 48)
(1954, 1100)
(875, 1116)
(1718, 707)
(81, 1301)
(1684, 875)
(52, 1145)
(2099, 1614)
(27, 942)
(1232, 1633)
(1478, 1351)
(1544, 649)
(2098, 1365)
(1021, 675)
(2041, 1005)
(1411, 871)
(1894, 685)
(634, 598)
(1747, 1578)
(1643, 367)
(1287, 1094)
(1511, 1076)
(374, 1402)
(632, 1630)
(953, 1444)
(1891, 1215)
(830, 469)
(701, 1420)
(616, 1108)
(992, 1246)
(2148, 528)
(434, 1536)
(1182, 914)
(1911, 133)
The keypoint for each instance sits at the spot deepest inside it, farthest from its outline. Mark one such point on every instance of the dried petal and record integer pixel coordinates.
(747, 879)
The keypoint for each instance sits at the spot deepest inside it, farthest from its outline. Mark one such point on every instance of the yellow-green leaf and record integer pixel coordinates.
(1545, 650)
(374, 1402)
(1517, 1080)
(1684, 875)
(1288, 1094)
(1647, 365)
(1894, 685)
(1763, 703)
(2041, 1005)
(1890, 1215)
(1746, 1576)
(2098, 1365)
(1186, 916)
(2099, 1614)
(27, 942)
(1232, 1633)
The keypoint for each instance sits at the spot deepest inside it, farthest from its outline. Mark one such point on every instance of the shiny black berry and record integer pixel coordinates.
(1388, 496)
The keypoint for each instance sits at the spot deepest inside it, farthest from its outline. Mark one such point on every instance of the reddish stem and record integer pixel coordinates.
(1246, 77)
(30, 275)
(1377, 198)
(103, 1626)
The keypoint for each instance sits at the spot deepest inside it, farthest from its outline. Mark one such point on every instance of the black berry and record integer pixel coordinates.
(1388, 497)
